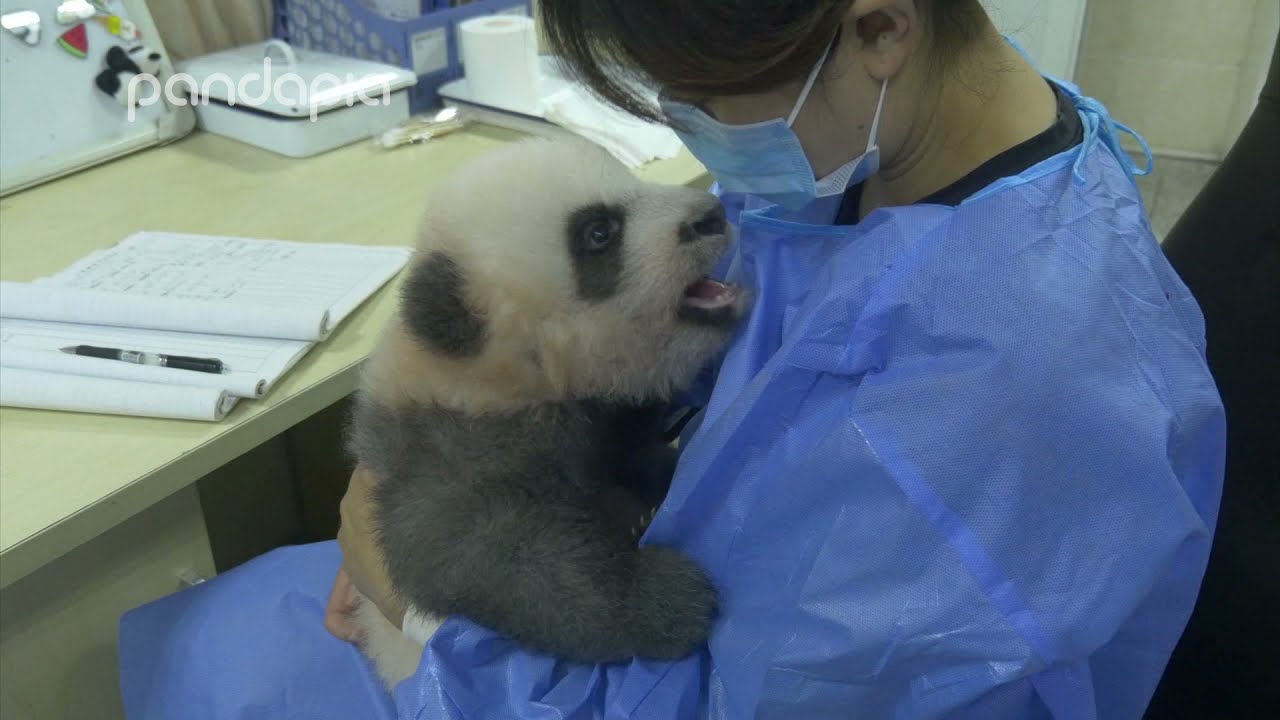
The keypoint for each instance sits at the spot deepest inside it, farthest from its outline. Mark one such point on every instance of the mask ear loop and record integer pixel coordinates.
(813, 77)
(873, 137)
(808, 83)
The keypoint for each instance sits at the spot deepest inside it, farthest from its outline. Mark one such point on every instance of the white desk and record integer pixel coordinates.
(67, 478)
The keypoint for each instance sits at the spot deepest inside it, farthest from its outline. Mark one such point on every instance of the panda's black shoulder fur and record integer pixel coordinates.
(523, 523)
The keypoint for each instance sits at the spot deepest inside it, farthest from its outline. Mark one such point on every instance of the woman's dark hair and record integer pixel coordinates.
(703, 48)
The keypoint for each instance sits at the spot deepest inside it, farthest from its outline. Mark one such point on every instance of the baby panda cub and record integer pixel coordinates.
(510, 412)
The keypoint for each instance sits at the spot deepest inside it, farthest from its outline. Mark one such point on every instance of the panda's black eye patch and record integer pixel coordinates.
(595, 235)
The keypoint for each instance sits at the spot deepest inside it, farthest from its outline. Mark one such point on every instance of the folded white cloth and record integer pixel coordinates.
(419, 626)
(632, 140)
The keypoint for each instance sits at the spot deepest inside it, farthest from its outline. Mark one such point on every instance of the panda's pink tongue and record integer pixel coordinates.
(709, 294)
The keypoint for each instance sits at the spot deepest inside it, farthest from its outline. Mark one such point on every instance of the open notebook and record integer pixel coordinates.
(257, 305)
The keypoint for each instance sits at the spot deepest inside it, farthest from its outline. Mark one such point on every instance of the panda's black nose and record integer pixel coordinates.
(710, 224)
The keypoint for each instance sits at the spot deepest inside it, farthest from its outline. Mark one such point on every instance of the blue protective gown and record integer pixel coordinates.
(959, 462)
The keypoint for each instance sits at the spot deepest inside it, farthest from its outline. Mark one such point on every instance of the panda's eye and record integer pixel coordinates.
(596, 230)
(599, 235)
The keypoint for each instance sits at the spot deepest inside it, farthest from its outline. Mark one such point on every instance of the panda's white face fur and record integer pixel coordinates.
(547, 271)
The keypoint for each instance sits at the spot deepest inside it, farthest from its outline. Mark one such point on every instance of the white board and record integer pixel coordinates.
(53, 119)
(1049, 30)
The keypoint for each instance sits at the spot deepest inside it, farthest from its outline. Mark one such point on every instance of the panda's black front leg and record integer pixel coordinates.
(553, 574)
(648, 475)
(635, 455)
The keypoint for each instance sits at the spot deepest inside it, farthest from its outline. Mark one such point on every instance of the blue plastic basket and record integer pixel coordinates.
(427, 45)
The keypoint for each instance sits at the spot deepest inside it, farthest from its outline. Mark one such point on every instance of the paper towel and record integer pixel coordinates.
(631, 140)
(500, 62)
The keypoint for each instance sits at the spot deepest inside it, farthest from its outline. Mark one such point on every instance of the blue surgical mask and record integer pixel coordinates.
(766, 159)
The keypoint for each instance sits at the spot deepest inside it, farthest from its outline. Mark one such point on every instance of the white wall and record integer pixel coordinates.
(1049, 30)
(1183, 73)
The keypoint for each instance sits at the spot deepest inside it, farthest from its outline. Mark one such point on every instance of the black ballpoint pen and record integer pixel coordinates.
(208, 365)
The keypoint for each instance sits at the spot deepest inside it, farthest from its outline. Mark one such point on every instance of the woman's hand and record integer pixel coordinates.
(363, 570)
(340, 613)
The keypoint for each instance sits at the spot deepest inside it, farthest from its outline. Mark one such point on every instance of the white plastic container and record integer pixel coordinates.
(296, 103)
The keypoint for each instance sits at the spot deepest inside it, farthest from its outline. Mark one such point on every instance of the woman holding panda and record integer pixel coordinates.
(963, 461)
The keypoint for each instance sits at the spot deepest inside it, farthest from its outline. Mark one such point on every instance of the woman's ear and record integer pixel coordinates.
(886, 32)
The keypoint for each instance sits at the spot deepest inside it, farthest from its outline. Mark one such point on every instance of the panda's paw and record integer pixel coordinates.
(641, 525)
(674, 605)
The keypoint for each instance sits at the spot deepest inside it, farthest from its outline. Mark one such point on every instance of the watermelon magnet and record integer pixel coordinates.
(75, 41)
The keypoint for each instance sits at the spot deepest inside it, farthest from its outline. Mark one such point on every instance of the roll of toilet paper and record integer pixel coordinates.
(500, 62)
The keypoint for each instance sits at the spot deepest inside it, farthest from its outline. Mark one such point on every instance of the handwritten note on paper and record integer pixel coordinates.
(50, 302)
(256, 305)
(216, 285)
(264, 273)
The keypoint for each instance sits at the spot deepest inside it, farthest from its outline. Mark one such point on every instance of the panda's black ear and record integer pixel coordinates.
(435, 308)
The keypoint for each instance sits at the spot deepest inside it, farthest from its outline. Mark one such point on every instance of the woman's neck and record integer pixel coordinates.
(994, 102)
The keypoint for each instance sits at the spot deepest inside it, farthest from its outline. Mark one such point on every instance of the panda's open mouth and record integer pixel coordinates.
(709, 301)
(708, 294)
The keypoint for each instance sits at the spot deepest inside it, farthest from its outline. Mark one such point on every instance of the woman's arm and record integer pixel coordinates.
(363, 568)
